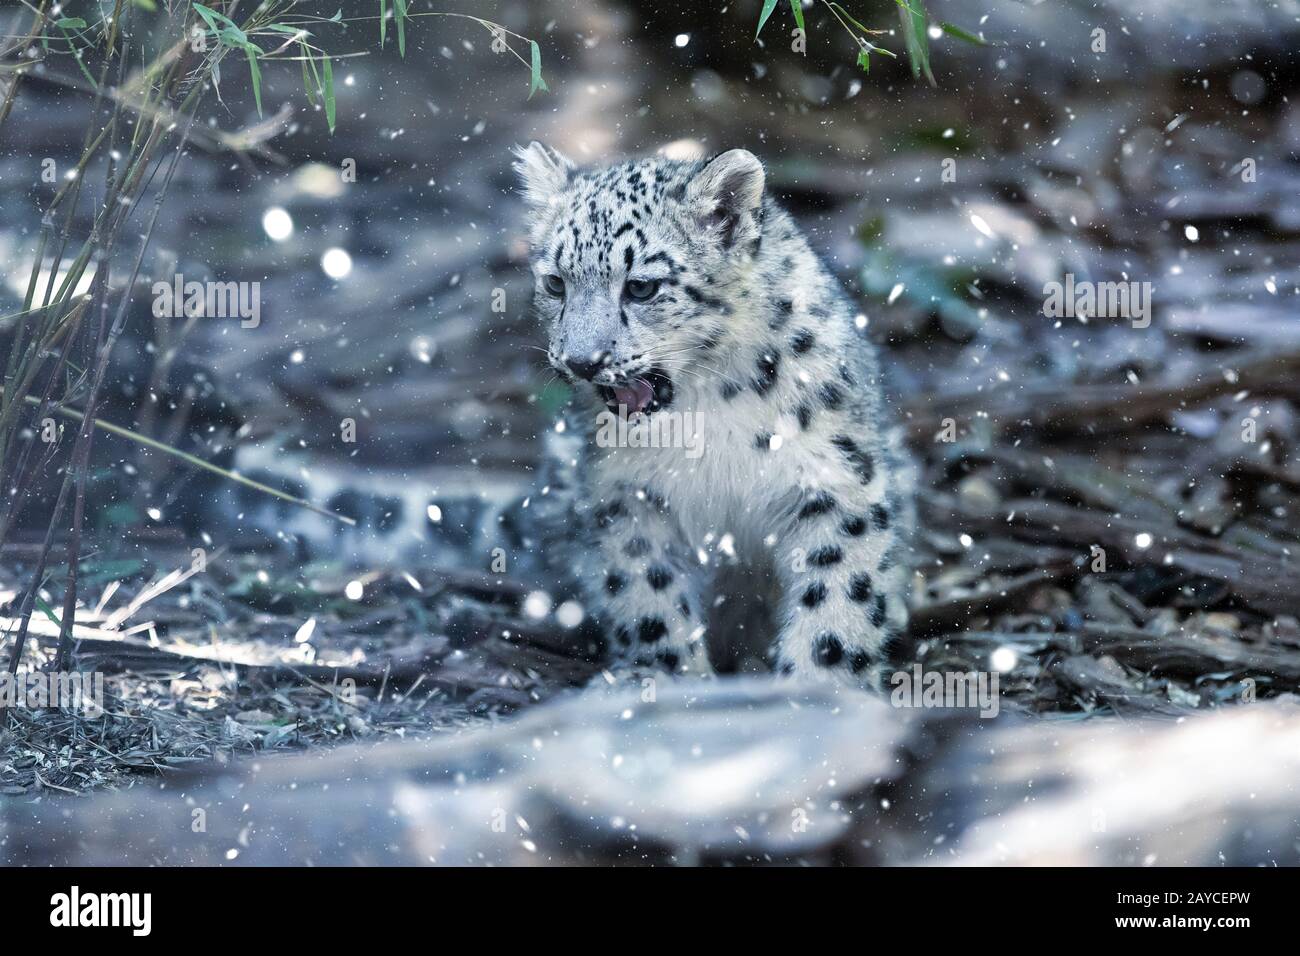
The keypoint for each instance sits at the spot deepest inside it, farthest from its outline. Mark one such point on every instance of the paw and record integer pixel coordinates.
(871, 677)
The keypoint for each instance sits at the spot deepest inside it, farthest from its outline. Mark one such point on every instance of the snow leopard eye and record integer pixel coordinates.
(554, 285)
(638, 290)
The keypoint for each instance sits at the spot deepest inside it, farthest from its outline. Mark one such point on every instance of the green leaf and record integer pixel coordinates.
(230, 34)
(383, 22)
(955, 31)
(768, 7)
(71, 23)
(208, 15)
(146, 5)
(255, 72)
(327, 90)
(306, 79)
(864, 61)
(47, 611)
(845, 14)
(535, 81)
(913, 19)
(400, 16)
(797, 7)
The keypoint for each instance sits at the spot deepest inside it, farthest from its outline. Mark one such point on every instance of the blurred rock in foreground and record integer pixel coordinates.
(725, 771)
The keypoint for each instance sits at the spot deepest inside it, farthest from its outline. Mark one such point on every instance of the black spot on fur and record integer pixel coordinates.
(859, 661)
(818, 504)
(814, 595)
(781, 315)
(670, 660)
(623, 636)
(878, 611)
(651, 629)
(805, 414)
(655, 499)
(802, 341)
(763, 441)
(614, 582)
(605, 516)
(769, 366)
(695, 295)
(827, 650)
(860, 587)
(684, 606)
(638, 547)
(826, 556)
(831, 395)
(879, 518)
(729, 391)
(659, 577)
(853, 526)
(860, 460)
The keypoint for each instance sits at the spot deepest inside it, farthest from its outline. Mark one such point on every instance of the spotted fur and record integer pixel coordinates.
(748, 332)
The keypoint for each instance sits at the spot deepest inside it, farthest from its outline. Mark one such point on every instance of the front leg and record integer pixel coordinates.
(843, 587)
(641, 585)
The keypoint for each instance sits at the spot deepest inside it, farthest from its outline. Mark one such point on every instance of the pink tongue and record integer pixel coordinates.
(636, 396)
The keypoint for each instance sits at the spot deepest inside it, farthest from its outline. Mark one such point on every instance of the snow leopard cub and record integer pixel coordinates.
(727, 409)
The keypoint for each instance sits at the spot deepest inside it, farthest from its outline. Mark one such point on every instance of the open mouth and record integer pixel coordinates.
(648, 392)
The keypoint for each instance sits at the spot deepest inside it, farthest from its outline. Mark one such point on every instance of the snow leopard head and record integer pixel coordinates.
(639, 267)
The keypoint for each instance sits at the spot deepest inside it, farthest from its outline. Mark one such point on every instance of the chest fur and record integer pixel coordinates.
(724, 466)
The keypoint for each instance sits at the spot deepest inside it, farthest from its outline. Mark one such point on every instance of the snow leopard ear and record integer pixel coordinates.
(543, 172)
(727, 194)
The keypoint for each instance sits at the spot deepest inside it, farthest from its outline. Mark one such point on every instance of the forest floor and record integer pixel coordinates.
(1109, 508)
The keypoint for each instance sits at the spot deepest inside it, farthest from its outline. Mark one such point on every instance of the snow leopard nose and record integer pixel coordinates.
(586, 369)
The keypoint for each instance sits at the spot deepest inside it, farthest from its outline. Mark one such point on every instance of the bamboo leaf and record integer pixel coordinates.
(255, 72)
(797, 7)
(383, 22)
(306, 78)
(48, 611)
(327, 90)
(230, 34)
(208, 15)
(845, 14)
(768, 7)
(955, 31)
(536, 82)
(913, 20)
